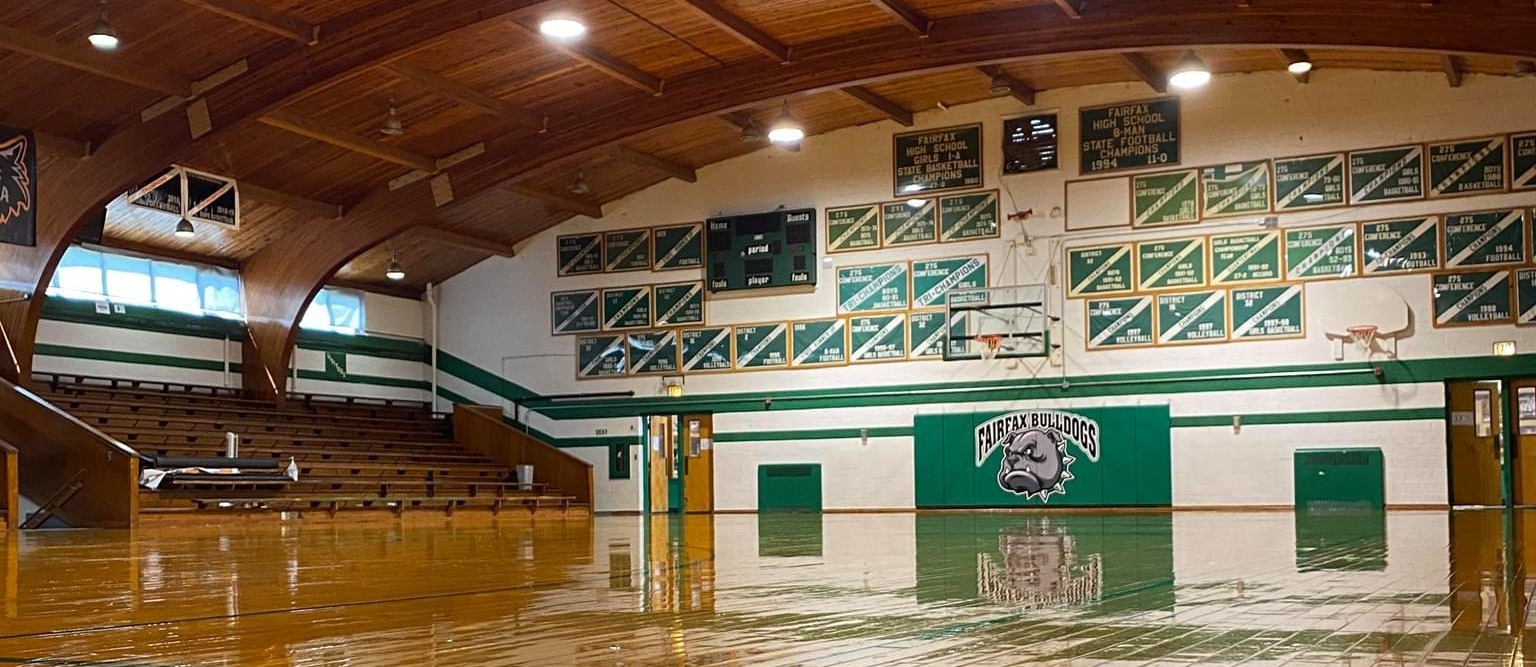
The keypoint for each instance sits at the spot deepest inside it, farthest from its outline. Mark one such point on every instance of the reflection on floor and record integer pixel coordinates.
(808, 590)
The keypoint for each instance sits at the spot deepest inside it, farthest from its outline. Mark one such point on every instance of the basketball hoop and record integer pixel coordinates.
(1364, 336)
(990, 345)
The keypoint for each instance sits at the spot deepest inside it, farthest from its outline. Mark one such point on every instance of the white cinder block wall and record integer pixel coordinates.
(500, 320)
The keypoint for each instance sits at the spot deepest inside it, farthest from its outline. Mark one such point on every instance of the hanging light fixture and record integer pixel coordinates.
(1299, 67)
(103, 37)
(392, 125)
(1191, 72)
(786, 130)
(580, 186)
(562, 27)
(394, 271)
(184, 229)
(1525, 68)
(1000, 84)
(750, 132)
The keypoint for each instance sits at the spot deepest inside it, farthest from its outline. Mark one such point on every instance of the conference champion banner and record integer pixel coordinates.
(18, 186)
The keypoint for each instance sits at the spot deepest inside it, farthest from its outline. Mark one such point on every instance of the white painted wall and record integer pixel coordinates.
(499, 318)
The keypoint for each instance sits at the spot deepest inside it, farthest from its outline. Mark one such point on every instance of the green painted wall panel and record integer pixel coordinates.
(789, 487)
(1327, 478)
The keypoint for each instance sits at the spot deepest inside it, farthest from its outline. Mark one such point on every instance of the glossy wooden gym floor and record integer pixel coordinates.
(886, 589)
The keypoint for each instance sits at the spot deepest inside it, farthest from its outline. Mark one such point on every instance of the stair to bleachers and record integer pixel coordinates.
(351, 453)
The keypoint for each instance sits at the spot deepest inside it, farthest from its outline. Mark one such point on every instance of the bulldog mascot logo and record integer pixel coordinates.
(1036, 462)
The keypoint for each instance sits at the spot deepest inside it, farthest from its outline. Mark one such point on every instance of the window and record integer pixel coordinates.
(1029, 144)
(335, 309)
(189, 288)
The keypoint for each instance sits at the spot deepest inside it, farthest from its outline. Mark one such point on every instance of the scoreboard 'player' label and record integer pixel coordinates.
(762, 346)
(877, 338)
(1267, 312)
(1487, 238)
(1123, 322)
(580, 253)
(966, 217)
(627, 250)
(679, 303)
(653, 352)
(933, 160)
(1191, 317)
(1400, 246)
(1245, 258)
(1314, 253)
(819, 342)
(1314, 181)
(1477, 297)
(869, 288)
(1235, 189)
(626, 308)
(574, 312)
(1386, 174)
(601, 356)
(903, 224)
(853, 228)
(928, 334)
(679, 247)
(1523, 159)
(1466, 167)
(1525, 296)
(1099, 270)
(1130, 135)
(933, 279)
(1165, 199)
(706, 349)
(1172, 264)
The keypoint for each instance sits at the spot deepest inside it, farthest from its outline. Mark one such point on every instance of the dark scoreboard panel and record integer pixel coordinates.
(761, 250)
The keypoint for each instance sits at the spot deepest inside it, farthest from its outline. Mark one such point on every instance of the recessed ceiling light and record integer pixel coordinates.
(562, 28)
(1191, 72)
(787, 129)
(102, 36)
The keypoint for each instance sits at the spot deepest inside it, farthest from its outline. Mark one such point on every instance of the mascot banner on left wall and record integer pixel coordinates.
(18, 186)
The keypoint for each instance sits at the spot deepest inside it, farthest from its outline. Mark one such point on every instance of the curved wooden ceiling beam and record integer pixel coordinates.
(281, 278)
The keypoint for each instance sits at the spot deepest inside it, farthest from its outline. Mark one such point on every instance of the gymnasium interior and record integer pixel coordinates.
(750, 333)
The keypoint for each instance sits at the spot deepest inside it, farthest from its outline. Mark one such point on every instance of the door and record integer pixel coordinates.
(679, 460)
(698, 438)
(1475, 433)
(659, 463)
(1524, 432)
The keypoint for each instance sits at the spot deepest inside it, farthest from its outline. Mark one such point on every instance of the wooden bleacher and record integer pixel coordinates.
(351, 453)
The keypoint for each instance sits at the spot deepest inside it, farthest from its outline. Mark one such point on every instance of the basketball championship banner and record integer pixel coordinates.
(18, 186)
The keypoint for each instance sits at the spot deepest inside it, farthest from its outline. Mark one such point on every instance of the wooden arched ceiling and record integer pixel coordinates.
(506, 118)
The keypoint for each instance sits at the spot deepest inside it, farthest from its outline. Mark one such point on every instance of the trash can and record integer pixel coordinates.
(524, 477)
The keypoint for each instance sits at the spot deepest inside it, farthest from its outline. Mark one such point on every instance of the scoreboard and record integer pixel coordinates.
(761, 250)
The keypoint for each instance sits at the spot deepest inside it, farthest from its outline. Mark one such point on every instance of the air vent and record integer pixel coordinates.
(789, 471)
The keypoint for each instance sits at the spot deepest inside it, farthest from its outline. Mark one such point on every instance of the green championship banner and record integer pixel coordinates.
(1486, 238)
(762, 346)
(1235, 189)
(877, 338)
(1118, 323)
(966, 217)
(928, 335)
(819, 342)
(1259, 313)
(1129, 135)
(1386, 174)
(1400, 246)
(1525, 296)
(653, 352)
(947, 158)
(1250, 257)
(932, 279)
(1523, 160)
(627, 250)
(1099, 270)
(335, 365)
(853, 228)
(1313, 253)
(580, 253)
(1162, 265)
(574, 312)
(1313, 181)
(1466, 167)
(626, 308)
(1165, 199)
(874, 287)
(1475, 298)
(678, 247)
(679, 303)
(706, 349)
(600, 356)
(904, 224)
(1192, 317)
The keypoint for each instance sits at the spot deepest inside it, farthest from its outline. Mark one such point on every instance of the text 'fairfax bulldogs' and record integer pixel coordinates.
(1082, 431)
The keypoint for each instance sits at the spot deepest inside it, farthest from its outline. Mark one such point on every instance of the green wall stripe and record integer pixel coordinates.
(814, 434)
(1332, 417)
(147, 359)
(479, 377)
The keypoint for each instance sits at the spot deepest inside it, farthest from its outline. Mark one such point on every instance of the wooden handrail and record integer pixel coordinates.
(52, 445)
(479, 427)
(10, 493)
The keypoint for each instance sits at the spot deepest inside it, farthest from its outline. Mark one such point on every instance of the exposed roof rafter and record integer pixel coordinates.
(467, 95)
(292, 202)
(1072, 8)
(880, 104)
(1452, 67)
(356, 143)
(462, 240)
(604, 62)
(262, 18)
(642, 159)
(741, 28)
(1020, 91)
(909, 17)
(1144, 69)
(97, 63)
(586, 207)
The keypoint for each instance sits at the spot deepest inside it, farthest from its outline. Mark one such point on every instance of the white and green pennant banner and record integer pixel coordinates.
(653, 352)
(1267, 312)
(928, 333)
(1314, 253)
(1120, 323)
(1192, 317)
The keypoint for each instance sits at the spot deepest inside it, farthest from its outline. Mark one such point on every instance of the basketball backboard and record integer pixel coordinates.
(1014, 318)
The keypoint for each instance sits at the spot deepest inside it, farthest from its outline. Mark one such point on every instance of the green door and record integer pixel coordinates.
(794, 487)
(679, 469)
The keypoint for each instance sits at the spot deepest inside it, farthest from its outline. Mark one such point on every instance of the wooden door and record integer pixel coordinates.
(698, 435)
(1524, 431)
(1475, 454)
(659, 463)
